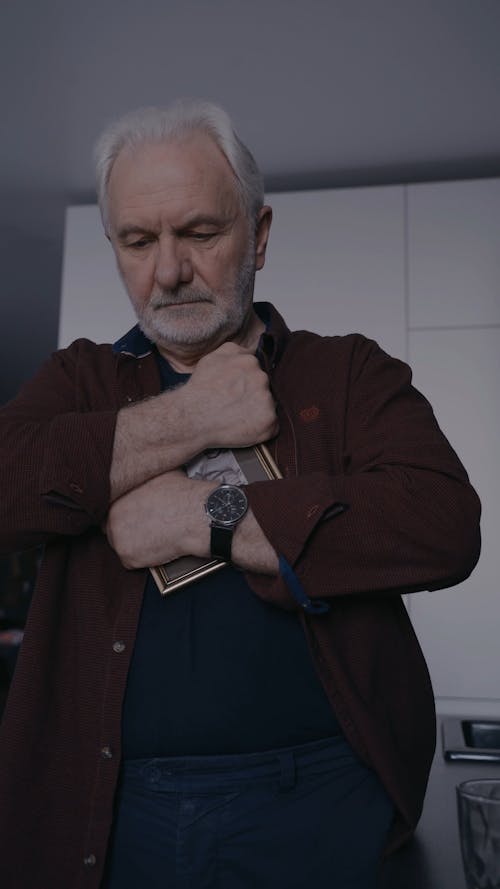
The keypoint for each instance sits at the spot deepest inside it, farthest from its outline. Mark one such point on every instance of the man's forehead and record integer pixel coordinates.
(193, 166)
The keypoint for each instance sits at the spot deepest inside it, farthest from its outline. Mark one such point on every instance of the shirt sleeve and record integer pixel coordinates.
(396, 514)
(56, 442)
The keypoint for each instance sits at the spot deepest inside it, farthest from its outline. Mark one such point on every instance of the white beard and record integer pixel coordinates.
(203, 315)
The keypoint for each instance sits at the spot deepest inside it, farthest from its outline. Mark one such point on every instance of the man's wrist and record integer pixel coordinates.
(225, 507)
(198, 534)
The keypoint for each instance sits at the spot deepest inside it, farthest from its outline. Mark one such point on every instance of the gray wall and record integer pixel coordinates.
(326, 92)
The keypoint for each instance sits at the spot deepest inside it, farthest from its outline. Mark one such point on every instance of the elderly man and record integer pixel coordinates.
(272, 724)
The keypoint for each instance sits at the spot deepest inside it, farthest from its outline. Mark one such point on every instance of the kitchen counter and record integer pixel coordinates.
(432, 859)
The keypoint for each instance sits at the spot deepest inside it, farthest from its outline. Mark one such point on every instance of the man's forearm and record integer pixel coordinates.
(153, 437)
(165, 518)
(251, 550)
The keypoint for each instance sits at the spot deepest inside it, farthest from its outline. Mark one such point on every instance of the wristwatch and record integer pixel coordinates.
(225, 507)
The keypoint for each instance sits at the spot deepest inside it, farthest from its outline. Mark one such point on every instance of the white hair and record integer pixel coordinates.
(185, 116)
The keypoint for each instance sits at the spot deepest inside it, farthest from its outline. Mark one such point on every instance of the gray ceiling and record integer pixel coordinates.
(325, 93)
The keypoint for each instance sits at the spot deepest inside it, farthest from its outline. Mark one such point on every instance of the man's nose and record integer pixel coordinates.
(173, 264)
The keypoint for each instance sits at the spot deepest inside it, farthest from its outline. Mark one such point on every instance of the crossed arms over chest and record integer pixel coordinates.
(411, 520)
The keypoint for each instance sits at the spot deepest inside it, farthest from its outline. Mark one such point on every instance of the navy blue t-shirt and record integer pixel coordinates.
(217, 670)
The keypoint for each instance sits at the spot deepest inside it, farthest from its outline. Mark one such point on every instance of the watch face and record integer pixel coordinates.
(227, 505)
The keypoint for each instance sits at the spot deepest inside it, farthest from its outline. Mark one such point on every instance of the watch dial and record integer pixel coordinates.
(226, 505)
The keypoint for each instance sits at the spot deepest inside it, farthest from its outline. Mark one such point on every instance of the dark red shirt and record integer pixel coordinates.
(353, 431)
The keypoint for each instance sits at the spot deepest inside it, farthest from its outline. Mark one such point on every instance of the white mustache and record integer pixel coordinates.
(172, 299)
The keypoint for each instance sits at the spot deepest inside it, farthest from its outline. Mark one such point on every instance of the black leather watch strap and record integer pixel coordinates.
(220, 542)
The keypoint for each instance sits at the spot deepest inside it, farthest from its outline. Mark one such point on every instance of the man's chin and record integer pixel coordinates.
(192, 327)
(185, 335)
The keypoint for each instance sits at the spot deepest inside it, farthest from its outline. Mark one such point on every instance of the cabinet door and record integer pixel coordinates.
(459, 628)
(94, 302)
(454, 253)
(336, 263)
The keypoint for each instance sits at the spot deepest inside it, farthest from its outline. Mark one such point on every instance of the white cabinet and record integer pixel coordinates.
(454, 348)
(458, 628)
(336, 263)
(454, 253)
(94, 302)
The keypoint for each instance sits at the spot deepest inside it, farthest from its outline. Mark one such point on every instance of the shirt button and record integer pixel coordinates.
(119, 647)
(90, 861)
(106, 753)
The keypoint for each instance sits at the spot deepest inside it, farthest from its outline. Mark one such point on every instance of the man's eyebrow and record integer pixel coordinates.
(196, 219)
(203, 219)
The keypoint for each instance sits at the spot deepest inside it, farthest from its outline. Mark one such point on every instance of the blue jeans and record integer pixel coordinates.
(306, 817)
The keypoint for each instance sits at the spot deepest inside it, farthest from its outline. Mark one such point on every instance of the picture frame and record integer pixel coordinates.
(254, 464)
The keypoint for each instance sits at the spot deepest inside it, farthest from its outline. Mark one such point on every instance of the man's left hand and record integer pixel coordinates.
(160, 520)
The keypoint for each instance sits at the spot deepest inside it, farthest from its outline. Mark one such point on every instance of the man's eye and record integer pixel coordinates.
(140, 243)
(201, 236)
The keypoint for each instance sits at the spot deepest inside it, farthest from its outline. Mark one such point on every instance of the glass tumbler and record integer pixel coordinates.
(479, 825)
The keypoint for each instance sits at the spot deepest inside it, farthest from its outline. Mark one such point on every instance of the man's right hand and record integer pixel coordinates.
(229, 395)
(226, 402)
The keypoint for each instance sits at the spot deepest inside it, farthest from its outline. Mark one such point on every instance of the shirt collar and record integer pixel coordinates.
(134, 343)
(275, 337)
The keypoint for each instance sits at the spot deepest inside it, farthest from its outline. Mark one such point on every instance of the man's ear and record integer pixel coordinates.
(262, 229)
